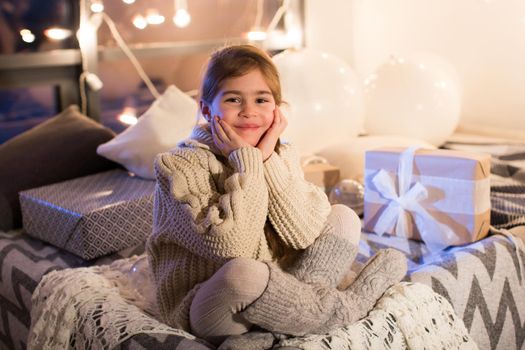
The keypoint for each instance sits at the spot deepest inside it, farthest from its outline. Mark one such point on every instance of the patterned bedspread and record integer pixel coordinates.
(507, 182)
(483, 281)
(23, 262)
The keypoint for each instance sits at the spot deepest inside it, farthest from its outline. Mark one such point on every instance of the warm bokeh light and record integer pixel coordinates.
(27, 36)
(154, 17)
(182, 18)
(97, 6)
(56, 33)
(256, 35)
(140, 22)
(128, 116)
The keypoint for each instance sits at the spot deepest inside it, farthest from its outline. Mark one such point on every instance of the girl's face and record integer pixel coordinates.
(246, 103)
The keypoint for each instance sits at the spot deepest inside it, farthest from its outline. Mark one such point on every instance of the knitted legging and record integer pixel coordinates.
(214, 312)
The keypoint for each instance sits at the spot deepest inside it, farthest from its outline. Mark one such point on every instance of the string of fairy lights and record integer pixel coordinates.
(182, 18)
(151, 17)
(269, 35)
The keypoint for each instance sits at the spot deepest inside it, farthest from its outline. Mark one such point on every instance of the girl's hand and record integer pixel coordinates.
(270, 137)
(225, 138)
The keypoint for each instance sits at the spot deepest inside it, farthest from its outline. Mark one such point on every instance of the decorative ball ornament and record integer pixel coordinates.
(418, 96)
(350, 193)
(324, 101)
(140, 278)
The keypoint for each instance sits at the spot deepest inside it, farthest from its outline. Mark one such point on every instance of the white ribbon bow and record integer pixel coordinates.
(436, 235)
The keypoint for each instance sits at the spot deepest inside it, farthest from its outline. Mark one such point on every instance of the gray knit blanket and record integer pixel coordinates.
(508, 189)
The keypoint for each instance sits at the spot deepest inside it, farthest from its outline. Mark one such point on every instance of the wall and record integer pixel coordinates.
(328, 27)
(483, 39)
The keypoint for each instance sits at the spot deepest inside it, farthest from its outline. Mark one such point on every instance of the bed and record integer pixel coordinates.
(483, 281)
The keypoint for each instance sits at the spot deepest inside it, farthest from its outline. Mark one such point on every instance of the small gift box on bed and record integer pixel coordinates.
(320, 173)
(93, 215)
(441, 197)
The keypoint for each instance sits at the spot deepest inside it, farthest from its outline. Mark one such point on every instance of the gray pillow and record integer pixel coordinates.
(61, 148)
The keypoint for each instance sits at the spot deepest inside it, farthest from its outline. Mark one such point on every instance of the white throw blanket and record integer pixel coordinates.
(98, 308)
(408, 316)
(91, 308)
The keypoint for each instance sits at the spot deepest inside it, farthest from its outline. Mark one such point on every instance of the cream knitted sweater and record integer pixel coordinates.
(210, 209)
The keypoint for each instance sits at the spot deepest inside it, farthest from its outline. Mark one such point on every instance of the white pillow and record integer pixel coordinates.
(350, 155)
(169, 120)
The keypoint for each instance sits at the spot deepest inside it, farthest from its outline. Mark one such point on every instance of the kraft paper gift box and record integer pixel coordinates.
(441, 197)
(91, 216)
(323, 175)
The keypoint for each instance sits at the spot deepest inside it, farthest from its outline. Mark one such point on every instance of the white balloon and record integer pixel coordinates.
(324, 99)
(488, 52)
(418, 96)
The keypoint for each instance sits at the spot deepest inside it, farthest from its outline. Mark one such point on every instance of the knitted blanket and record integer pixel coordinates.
(91, 308)
(97, 308)
(408, 316)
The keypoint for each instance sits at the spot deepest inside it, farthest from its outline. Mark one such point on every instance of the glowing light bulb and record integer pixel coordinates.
(56, 33)
(154, 17)
(256, 34)
(97, 6)
(182, 18)
(128, 1)
(128, 116)
(140, 22)
(27, 36)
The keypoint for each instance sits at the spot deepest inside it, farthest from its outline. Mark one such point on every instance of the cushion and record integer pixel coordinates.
(169, 120)
(350, 155)
(61, 148)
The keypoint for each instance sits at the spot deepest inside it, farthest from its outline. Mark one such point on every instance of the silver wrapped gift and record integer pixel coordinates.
(93, 215)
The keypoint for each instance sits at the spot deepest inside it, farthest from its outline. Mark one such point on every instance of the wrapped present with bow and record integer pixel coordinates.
(440, 197)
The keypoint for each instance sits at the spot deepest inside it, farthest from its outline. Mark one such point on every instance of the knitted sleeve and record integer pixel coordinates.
(211, 220)
(297, 208)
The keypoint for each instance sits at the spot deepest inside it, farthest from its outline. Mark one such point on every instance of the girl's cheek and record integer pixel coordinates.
(269, 108)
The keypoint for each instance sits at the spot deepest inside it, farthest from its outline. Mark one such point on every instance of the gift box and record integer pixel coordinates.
(93, 215)
(441, 197)
(323, 175)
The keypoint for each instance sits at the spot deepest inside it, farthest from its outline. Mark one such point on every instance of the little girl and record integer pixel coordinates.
(239, 237)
